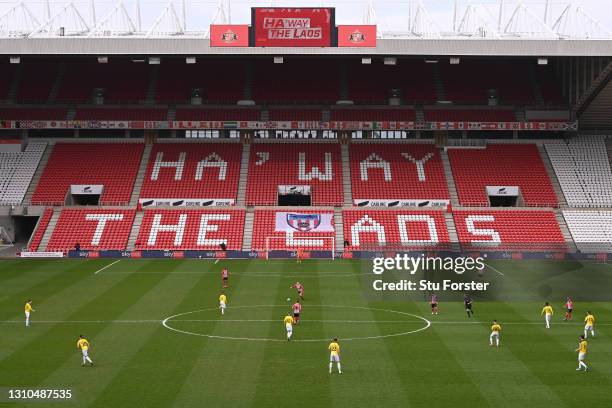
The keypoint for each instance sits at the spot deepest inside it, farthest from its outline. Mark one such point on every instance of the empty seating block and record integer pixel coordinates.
(25, 113)
(93, 229)
(191, 229)
(395, 229)
(469, 115)
(113, 165)
(591, 230)
(374, 115)
(41, 227)
(317, 165)
(121, 114)
(583, 169)
(518, 230)
(397, 171)
(217, 114)
(17, 170)
(265, 236)
(501, 165)
(294, 114)
(185, 170)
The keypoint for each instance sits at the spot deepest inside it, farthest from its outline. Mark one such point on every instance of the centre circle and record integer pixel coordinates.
(185, 317)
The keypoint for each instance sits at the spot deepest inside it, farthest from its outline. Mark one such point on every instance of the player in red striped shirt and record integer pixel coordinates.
(300, 289)
(297, 309)
(569, 308)
(225, 277)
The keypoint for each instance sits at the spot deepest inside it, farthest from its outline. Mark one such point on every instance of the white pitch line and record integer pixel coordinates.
(495, 269)
(107, 266)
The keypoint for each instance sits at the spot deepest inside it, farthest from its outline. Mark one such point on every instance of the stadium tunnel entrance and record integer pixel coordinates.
(298, 196)
(504, 196)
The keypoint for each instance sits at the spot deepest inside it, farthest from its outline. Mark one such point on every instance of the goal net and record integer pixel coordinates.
(291, 243)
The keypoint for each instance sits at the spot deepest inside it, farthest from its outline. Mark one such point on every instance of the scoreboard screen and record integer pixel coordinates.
(292, 27)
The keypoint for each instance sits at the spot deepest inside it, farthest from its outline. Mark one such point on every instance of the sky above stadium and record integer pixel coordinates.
(391, 15)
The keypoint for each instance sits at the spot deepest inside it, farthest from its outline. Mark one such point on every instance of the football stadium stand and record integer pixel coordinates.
(366, 115)
(397, 171)
(189, 171)
(32, 113)
(17, 170)
(164, 229)
(470, 115)
(266, 237)
(591, 230)
(92, 229)
(317, 165)
(395, 229)
(123, 113)
(89, 164)
(501, 165)
(497, 230)
(294, 114)
(41, 227)
(582, 167)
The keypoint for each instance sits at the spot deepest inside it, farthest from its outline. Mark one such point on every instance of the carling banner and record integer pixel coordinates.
(300, 222)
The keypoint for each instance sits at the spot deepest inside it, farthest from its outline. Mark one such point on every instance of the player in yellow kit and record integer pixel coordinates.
(83, 345)
(582, 350)
(589, 325)
(222, 302)
(495, 329)
(288, 320)
(28, 309)
(334, 355)
(547, 312)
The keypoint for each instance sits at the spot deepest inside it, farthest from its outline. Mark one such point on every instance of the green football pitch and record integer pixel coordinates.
(158, 340)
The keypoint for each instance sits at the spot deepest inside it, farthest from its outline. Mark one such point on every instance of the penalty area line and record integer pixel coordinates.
(107, 266)
(495, 269)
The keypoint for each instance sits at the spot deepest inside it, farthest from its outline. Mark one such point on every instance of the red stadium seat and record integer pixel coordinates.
(25, 113)
(314, 164)
(508, 230)
(471, 115)
(217, 178)
(501, 165)
(40, 229)
(123, 113)
(113, 165)
(295, 114)
(191, 229)
(397, 171)
(217, 114)
(395, 229)
(367, 115)
(93, 229)
(266, 237)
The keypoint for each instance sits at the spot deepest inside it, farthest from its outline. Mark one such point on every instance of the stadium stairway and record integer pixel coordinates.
(535, 86)
(609, 149)
(247, 236)
(339, 226)
(438, 84)
(152, 85)
(567, 235)
(452, 231)
(519, 112)
(171, 113)
(57, 83)
(552, 176)
(49, 231)
(346, 175)
(131, 244)
(450, 181)
(141, 174)
(12, 93)
(27, 199)
(244, 169)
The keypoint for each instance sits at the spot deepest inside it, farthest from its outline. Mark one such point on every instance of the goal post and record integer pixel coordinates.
(290, 243)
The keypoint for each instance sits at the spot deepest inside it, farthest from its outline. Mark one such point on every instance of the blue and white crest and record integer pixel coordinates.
(304, 222)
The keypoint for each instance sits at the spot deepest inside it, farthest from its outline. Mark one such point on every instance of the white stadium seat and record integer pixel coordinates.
(591, 230)
(582, 167)
(16, 172)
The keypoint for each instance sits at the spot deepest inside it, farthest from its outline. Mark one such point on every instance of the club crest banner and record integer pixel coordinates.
(300, 222)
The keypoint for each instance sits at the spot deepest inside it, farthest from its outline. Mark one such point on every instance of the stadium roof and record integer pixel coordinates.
(186, 45)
